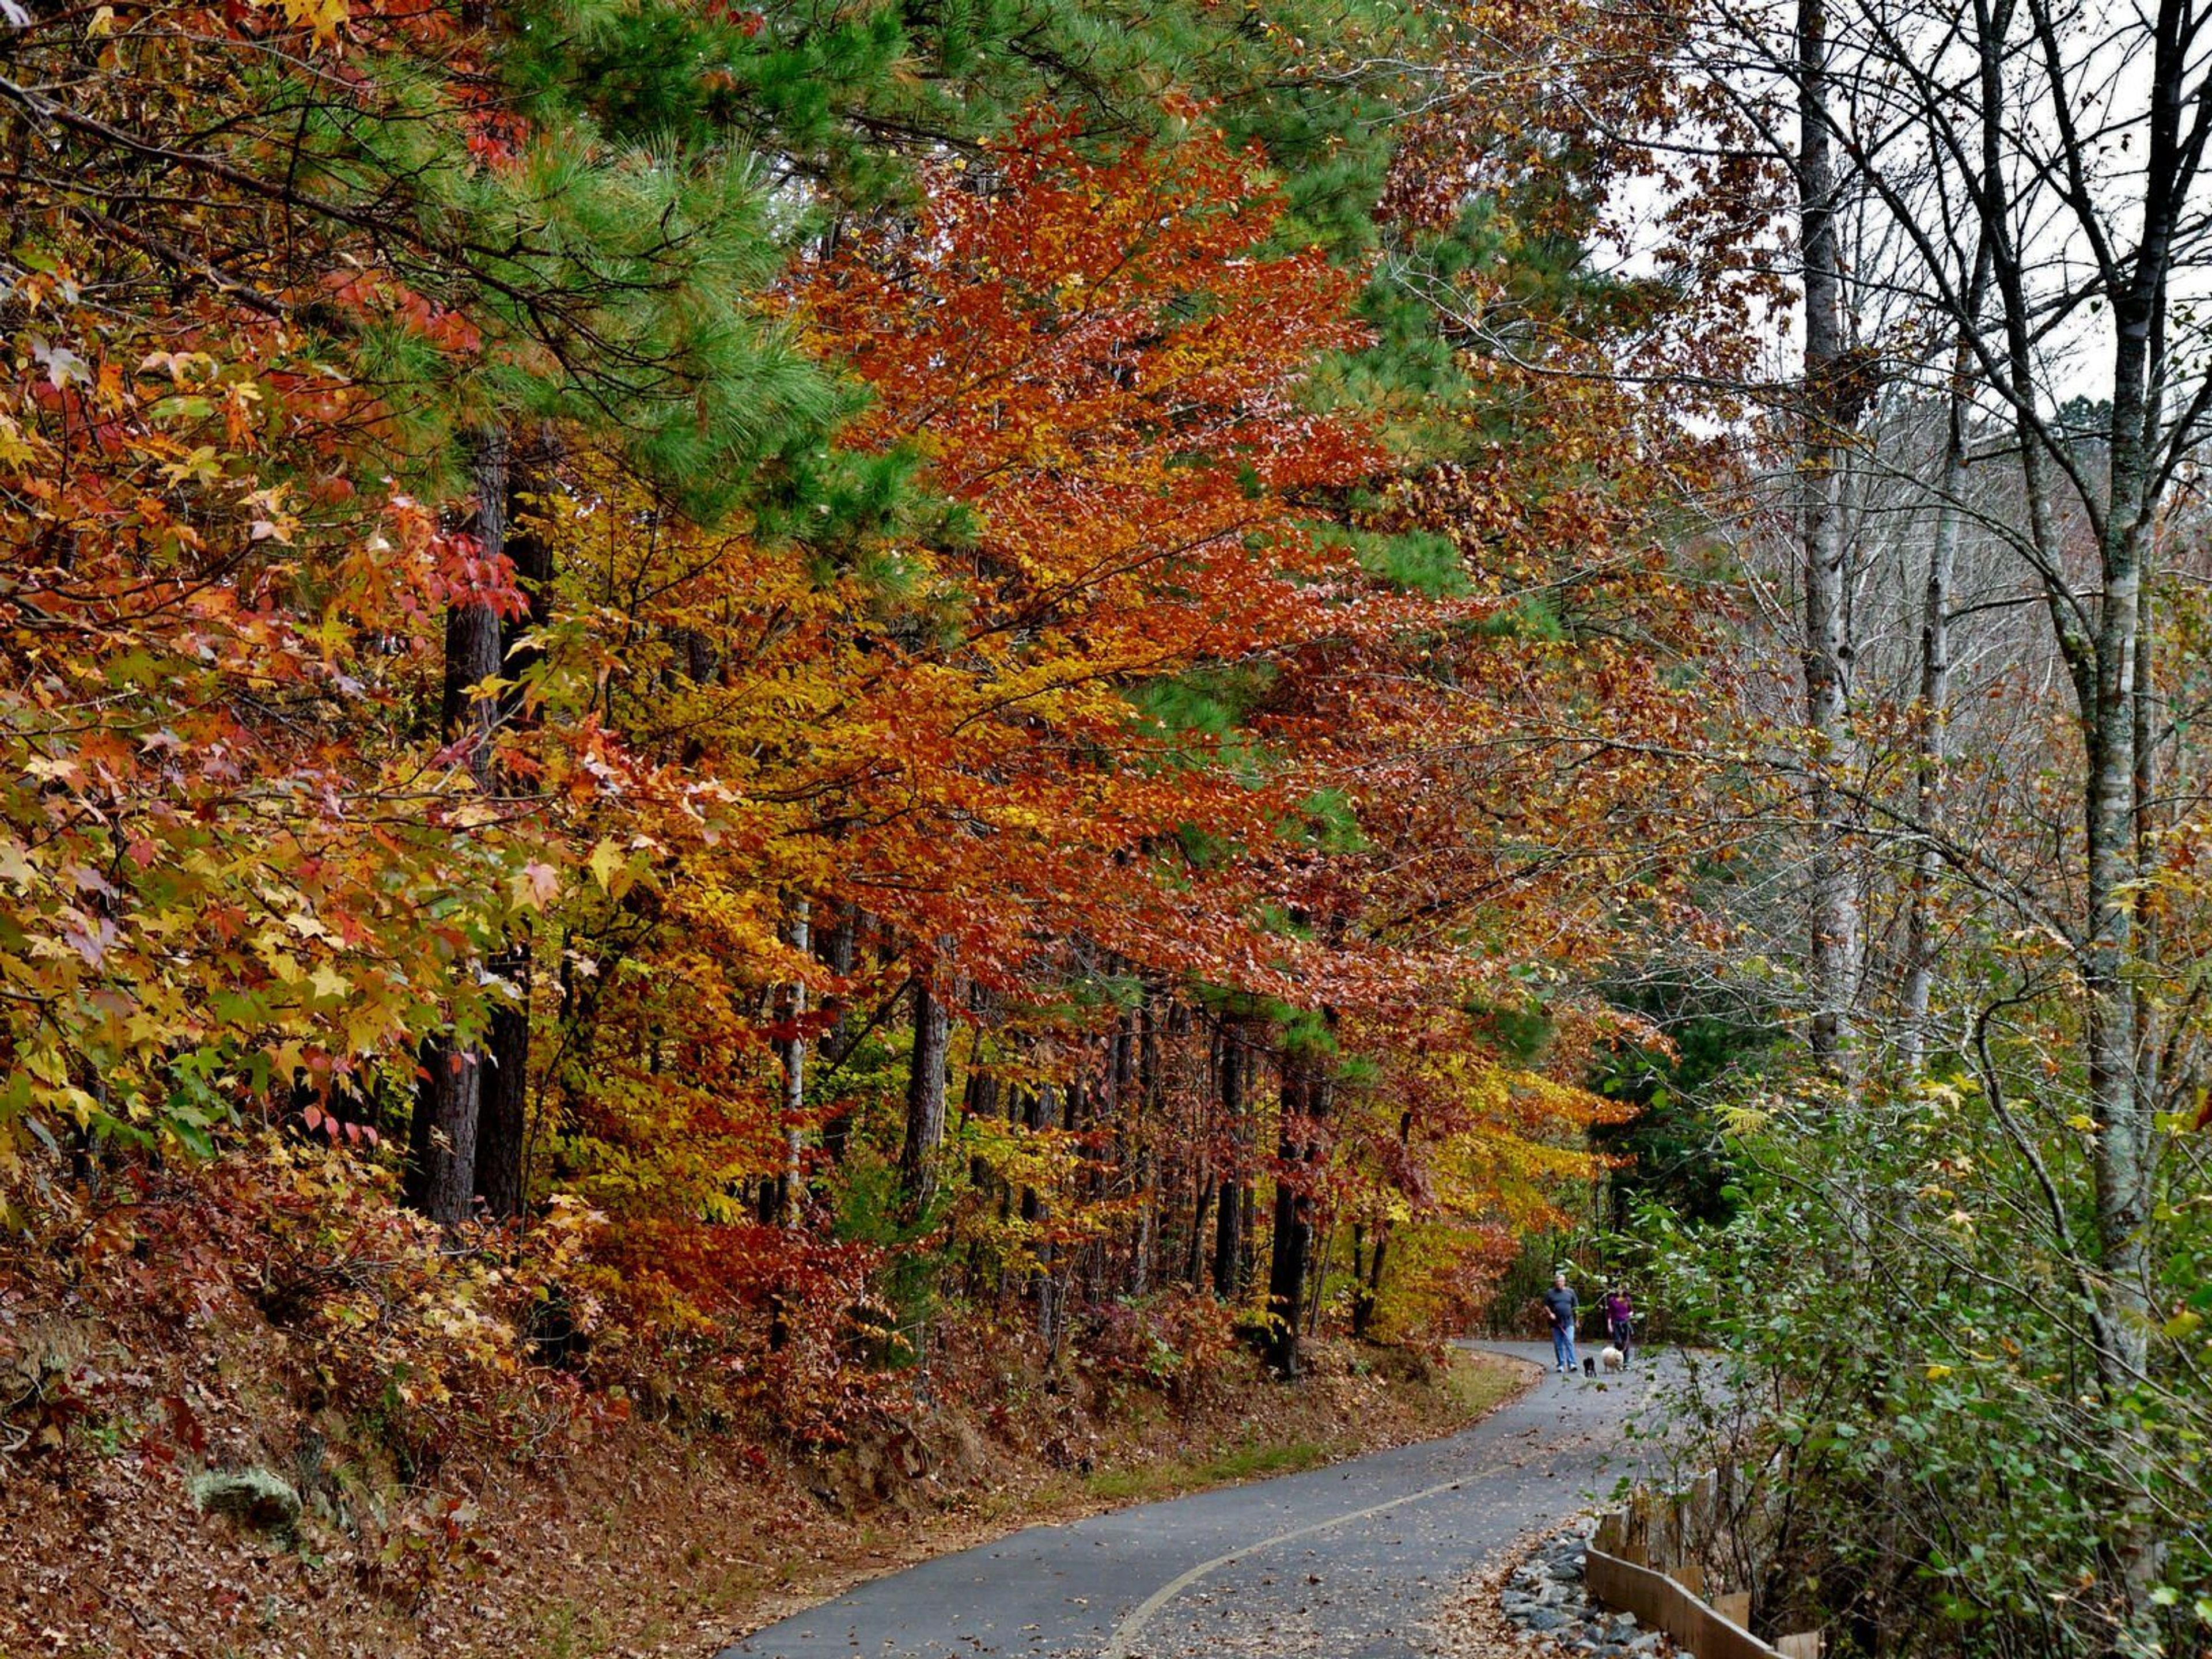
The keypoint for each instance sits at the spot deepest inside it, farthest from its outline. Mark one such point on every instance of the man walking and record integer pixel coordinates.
(1560, 1304)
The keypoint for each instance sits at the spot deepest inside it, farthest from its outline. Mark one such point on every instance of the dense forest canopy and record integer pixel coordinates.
(756, 693)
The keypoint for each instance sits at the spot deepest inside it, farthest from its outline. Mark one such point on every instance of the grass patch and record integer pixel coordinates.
(1469, 1386)
(1480, 1382)
(1253, 1461)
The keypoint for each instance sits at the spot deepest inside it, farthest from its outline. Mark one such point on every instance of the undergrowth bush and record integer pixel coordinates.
(1905, 1354)
(1176, 1341)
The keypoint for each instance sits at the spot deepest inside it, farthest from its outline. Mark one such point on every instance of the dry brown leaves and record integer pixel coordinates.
(620, 1538)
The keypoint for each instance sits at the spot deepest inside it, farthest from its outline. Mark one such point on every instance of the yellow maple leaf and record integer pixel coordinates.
(606, 863)
(324, 16)
(15, 865)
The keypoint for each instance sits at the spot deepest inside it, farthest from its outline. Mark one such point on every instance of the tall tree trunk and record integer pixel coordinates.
(1834, 943)
(1078, 1114)
(448, 1099)
(1145, 1176)
(794, 1048)
(1324, 1251)
(979, 1103)
(925, 1088)
(1116, 1175)
(2146, 950)
(1362, 1298)
(979, 1100)
(1015, 1109)
(1042, 1106)
(2122, 1320)
(1202, 1203)
(1059, 1263)
(1228, 1237)
(1247, 1229)
(449, 1105)
(1368, 1293)
(503, 1129)
(1933, 733)
(2117, 1105)
(1297, 1147)
(839, 948)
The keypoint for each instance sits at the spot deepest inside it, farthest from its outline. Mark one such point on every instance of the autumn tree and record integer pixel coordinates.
(852, 642)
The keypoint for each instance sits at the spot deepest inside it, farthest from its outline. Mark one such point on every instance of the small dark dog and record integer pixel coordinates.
(1589, 1366)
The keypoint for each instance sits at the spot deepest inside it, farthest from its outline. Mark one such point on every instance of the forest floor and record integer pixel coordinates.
(614, 1536)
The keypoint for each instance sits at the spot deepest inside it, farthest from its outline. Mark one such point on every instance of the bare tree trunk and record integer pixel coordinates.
(2102, 667)
(448, 1099)
(795, 1068)
(1369, 1292)
(1827, 645)
(2148, 947)
(1041, 1107)
(1201, 1201)
(1304, 1100)
(1116, 1177)
(2149, 940)
(1072, 1120)
(474, 641)
(448, 1103)
(1935, 710)
(1145, 1176)
(1324, 1251)
(1247, 1229)
(1363, 1304)
(2123, 1133)
(1201, 1171)
(503, 1131)
(838, 954)
(925, 1088)
(1228, 1218)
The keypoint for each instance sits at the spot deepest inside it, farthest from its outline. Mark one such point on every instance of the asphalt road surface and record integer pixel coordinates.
(1346, 1562)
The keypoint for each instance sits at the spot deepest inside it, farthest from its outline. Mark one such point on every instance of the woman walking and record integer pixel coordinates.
(1620, 1322)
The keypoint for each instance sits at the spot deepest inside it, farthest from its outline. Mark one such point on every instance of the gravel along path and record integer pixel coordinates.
(1348, 1562)
(1548, 1594)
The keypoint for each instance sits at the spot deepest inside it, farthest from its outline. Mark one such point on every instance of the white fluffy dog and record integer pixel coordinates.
(1612, 1358)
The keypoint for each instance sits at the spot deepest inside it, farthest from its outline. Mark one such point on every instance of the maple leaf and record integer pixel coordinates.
(537, 884)
(608, 866)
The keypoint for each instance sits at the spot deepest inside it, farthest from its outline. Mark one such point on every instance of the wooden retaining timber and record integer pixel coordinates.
(1660, 1603)
(1636, 1564)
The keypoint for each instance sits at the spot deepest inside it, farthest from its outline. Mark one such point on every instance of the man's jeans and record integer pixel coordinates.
(1563, 1346)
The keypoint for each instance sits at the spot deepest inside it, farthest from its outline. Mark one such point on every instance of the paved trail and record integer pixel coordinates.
(1346, 1562)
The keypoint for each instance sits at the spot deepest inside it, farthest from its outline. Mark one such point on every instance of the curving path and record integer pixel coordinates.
(1346, 1562)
